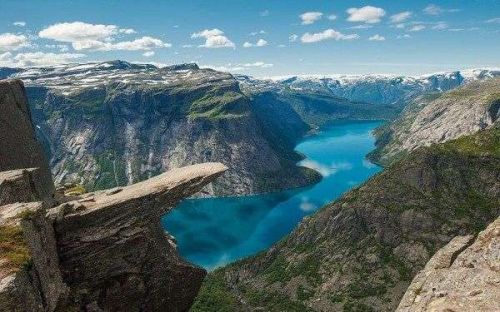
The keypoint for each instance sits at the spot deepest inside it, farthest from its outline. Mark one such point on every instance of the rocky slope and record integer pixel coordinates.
(439, 117)
(361, 252)
(116, 123)
(102, 251)
(464, 275)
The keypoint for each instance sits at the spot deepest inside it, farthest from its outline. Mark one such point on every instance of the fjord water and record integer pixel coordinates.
(212, 232)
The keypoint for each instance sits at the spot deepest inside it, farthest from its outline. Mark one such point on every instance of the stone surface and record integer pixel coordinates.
(438, 118)
(35, 283)
(115, 255)
(21, 185)
(462, 276)
(19, 148)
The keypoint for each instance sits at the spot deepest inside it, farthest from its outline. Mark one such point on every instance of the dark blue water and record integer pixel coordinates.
(215, 231)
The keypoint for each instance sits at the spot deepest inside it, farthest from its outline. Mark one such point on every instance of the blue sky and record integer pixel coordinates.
(262, 38)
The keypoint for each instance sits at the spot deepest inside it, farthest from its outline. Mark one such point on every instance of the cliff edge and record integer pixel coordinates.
(102, 251)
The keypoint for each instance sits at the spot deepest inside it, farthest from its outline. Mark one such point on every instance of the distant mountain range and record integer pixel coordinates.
(374, 89)
(114, 123)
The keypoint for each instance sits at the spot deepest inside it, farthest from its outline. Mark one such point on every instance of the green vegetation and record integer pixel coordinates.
(14, 252)
(214, 296)
(217, 104)
(482, 143)
(362, 289)
(303, 293)
(274, 301)
(354, 306)
(77, 189)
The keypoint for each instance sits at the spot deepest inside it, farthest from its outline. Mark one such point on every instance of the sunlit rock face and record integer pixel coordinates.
(115, 123)
(440, 117)
(462, 275)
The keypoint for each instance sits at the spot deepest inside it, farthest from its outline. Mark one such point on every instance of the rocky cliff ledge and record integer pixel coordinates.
(102, 251)
(462, 276)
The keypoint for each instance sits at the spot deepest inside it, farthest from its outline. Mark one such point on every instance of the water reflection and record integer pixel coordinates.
(212, 232)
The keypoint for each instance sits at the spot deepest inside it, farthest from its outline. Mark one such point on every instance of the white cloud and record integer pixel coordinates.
(440, 26)
(405, 36)
(6, 59)
(37, 59)
(495, 20)
(332, 17)
(258, 64)
(366, 14)
(417, 28)
(281, 46)
(260, 43)
(326, 35)
(187, 45)
(362, 26)
(61, 47)
(127, 31)
(12, 42)
(433, 9)
(400, 26)
(144, 43)
(78, 31)
(400, 17)
(264, 13)
(309, 18)
(293, 38)
(377, 37)
(255, 33)
(148, 53)
(19, 24)
(214, 38)
(98, 37)
(239, 67)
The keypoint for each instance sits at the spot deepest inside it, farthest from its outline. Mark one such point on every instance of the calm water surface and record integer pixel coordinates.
(213, 232)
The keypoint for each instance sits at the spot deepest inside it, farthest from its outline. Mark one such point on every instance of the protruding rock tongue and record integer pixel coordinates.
(114, 252)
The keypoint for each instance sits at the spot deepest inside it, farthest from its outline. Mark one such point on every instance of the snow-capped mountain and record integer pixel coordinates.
(374, 89)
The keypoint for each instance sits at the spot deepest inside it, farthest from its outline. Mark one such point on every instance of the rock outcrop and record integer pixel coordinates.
(439, 117)
(102, 251)
(20, 148)
(114, 253)
(462, 276)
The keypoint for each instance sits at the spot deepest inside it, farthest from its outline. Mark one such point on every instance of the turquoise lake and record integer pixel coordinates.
(212, 232)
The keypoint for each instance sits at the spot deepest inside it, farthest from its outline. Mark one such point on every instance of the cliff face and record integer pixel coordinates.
(19, 147)
(361, 252)
(102, 251)
(462, 275)
(115, 123)
(437, 118)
